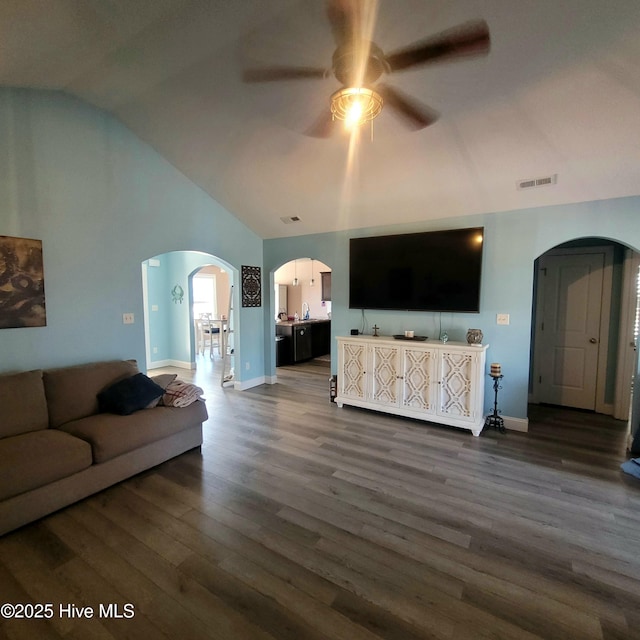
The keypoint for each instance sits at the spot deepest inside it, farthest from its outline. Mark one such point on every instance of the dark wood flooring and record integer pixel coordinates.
(299, 520)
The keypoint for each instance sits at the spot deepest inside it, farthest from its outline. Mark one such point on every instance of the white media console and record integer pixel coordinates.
(427, 380)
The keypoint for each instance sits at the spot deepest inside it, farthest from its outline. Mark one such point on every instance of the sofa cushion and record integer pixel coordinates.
(129, 395)
(112, 435)
(34, 459)
(72, 392)
(23, 405)
(163, 380)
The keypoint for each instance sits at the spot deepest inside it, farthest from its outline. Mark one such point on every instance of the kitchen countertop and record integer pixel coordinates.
(291, 323)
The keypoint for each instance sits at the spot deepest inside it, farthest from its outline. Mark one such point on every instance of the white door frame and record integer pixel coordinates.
(145, 309)
(607, 281)
(627, 356)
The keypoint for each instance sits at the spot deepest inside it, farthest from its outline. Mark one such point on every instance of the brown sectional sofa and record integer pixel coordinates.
(57, 448)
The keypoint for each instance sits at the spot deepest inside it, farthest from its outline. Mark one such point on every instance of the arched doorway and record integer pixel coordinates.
(584, 305)
(168, 305)
(302, 318)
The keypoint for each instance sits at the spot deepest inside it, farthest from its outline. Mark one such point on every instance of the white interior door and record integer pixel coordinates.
(568, 328)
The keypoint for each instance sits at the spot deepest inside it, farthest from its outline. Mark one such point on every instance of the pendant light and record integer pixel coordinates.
(312, 283)
(295, 273)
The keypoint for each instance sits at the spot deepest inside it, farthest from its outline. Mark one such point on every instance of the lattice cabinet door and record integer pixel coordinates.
(419, 379)
(385, 375)
(457, 384)
(352, 364)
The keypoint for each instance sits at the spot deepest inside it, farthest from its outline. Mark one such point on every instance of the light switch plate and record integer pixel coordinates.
(502, 318)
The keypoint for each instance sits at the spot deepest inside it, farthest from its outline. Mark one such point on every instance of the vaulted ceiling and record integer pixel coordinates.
(559, 93)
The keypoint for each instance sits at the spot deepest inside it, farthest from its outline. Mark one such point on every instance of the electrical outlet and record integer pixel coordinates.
(247, 365)
(155, 349)
(128, 318)
(502, 318)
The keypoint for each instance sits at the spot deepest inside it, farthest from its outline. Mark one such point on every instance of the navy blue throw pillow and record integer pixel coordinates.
(129, 395)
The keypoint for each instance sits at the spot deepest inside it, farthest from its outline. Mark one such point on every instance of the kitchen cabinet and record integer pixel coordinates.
(304, 340)
(320, 338)
(325, 286)
(424, 380)
(284, 352)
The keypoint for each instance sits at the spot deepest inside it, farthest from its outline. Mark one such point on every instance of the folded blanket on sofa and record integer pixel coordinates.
(181, 394)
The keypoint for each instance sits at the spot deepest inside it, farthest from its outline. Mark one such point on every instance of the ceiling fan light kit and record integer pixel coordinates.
(355, 105)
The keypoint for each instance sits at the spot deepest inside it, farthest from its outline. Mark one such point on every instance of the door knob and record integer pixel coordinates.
(593, 341)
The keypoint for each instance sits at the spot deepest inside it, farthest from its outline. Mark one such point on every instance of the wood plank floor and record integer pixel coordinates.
(300, 520)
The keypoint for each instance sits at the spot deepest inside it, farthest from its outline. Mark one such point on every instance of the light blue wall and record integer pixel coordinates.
(102, 202)
(513, 240)
(158, 288)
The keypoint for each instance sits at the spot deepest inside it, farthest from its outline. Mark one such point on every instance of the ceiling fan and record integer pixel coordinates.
(358, 63)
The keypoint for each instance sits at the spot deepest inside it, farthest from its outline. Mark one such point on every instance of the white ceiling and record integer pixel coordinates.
(559, 93)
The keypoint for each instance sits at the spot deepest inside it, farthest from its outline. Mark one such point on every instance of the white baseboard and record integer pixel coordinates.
(159, 364)
(270, 379)
(248, 384)
(516, 424)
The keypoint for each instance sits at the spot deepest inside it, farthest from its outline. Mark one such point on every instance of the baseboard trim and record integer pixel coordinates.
(243, 385)
(516, 424)
(270, 379)
(159, 364)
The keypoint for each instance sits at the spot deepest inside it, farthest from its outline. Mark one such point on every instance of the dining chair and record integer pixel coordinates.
(208, 332)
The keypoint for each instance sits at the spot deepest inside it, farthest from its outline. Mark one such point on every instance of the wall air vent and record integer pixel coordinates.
(290, 219)
(537, 182)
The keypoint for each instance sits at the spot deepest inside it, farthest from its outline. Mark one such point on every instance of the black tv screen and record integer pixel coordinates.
(430, 271)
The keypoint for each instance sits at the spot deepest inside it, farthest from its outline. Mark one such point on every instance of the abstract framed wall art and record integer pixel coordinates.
(21, 283)
(251, 287)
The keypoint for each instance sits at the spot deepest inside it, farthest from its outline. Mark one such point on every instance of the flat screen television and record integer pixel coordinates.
(429, 271)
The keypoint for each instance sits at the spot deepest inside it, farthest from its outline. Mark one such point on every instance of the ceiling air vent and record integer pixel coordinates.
(529, 183)
(290, 219)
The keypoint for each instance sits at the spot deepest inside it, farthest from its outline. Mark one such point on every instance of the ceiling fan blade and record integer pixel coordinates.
(415, 114)
(468, 39)
(271, 74)
(322, 127)
(340, 15)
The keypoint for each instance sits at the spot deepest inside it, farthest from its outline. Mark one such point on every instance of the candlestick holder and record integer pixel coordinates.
(493, 420)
